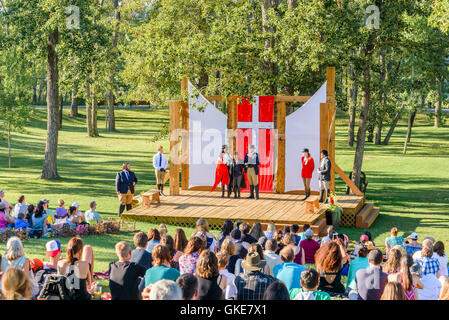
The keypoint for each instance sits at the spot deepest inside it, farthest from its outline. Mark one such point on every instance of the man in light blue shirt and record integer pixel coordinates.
(160, 164)
(92, 216)
(288, 272)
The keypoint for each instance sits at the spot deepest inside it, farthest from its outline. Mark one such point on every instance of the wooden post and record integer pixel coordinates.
(174, 148)
(232, 124)
(331, 103)
(185, 135)
(324, 126)
(280, 172)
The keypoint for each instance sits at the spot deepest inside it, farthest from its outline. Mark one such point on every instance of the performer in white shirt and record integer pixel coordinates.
(160, 164)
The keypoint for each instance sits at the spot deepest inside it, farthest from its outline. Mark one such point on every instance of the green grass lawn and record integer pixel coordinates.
(412, 190)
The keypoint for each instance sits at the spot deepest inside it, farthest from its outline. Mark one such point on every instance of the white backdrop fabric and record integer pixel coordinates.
(207, 133)
(302, 130)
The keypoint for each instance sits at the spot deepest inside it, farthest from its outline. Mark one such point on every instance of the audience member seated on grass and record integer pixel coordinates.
(438, 248)
(92, 216)
(310, 280)
(30, 210)
(15, 257)
(15, 285)
(203, 226)
(251, 284)
(78, 213)
(270, 257)
(276, 291)
(305, 227)
(167, 241)
(240, 249)
(187, 262)
(4, 218)
(330, 260)
(209, 287)
(428, 264)
(427, 242)
(271, 230)
(163, 290)
(247, 238)
(20, 207)
(229, 247)
(229, 290)
(124, 275)
(225, 233)
(39, 221)
(295, 231)
(79, 262)
(189, 286)
(363, 240)
(162, 229)
(393, 291)
(8, 206)
(256, 231)
(21, 224)
(412, 246)
(444, 293)
(330, 235)
(255, 247)
(53, 252)
(393, 240)
(289, 242)
(180, 240)
(288, 271)
(361, 262)
(405, 278)
(370, 281)
(161, 266)
(140, 255)
(61, 211)
(393, 261)
(309, 246)
(51, 215)
(154, 238)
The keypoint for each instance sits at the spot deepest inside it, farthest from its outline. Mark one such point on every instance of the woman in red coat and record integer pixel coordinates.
(307, 169)
(222, 170)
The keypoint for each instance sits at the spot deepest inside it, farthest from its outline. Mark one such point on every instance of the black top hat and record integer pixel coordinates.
(305, 150)
(324, 152)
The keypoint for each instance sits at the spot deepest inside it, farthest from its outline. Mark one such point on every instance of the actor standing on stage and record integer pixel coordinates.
(252, 170)
(307, 169)
(124, 185)
(160, 164)
(236, 178)
(324, 172)
(222, 172)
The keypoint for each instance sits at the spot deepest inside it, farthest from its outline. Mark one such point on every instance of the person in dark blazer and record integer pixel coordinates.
(324, 172)
(236, 178)
(124, 185)
(252, 170)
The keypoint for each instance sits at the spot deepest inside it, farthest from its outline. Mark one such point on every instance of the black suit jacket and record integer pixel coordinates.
(325, 170)
(122, 184)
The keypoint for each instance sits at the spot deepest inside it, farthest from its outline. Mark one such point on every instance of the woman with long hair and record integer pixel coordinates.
(229, 247)
(187, 262)
(167, 241)
(15, 285)
(404, 277)
(203, 226)
(393, 291)
(271, 230)
(39, 221)
(393, 262)
(393, 240)
(78, 265)
(207, 274)
(289, 240)
(180, 240)
(256, 231)
(308, 166)
(154, 238)
(329, 260)
(15, 257)
(161, 269)
(438, 248)
(225, 232)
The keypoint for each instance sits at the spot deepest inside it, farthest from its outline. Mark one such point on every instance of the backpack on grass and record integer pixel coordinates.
(55, 288)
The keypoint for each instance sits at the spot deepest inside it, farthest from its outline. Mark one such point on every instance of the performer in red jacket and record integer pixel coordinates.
(222, 171)
(307, 169)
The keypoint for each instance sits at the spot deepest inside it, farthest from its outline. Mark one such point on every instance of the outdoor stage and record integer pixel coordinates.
(282, 209)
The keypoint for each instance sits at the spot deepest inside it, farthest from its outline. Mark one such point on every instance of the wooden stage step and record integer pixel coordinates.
(369, 219)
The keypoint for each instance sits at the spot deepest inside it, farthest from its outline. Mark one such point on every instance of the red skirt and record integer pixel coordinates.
(221, 175)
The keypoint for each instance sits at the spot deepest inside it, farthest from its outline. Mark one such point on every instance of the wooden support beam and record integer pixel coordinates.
(185, 135)
(348, 181)
(324, 126)
(174, 108)
(280, 171)
(216, 98)
(281, 98)
(331, 102)
(232, 124)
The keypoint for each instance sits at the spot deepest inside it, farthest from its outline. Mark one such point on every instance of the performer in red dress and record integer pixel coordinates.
(222, 171)
(307, 169)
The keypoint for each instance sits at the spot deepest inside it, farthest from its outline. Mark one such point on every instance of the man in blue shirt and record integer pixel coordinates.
(160, 164)
(289, 272)
(124, 184)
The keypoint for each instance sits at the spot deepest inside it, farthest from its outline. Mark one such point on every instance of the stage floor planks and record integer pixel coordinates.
(185, 209)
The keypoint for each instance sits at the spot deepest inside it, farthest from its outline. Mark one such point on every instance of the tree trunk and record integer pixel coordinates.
(50, 169)
(110, 95)
(34, 94)
(370, 130)
(380, 114)
(93, 109)
(9, 146)
(352, 109)
(411, 120)
(392, 127)
(438, 105)
(111, 111)
(61, 111)
(378, 135)
(74, 105)
(88, 112)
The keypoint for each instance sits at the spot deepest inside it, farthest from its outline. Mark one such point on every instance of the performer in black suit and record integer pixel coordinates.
(324, 172)
(252, 170)
(124, 185)
(237, 179)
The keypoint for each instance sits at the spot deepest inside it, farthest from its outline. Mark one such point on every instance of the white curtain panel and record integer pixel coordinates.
(302, 130)
(207, 130)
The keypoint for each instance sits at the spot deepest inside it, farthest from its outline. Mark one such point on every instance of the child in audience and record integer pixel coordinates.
(230, 290)
(92, 216)
(310, 280)
(124, 275)
(21, 224)
(61, 211)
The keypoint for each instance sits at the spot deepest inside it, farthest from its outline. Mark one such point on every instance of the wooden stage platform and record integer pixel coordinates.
(282, 209)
